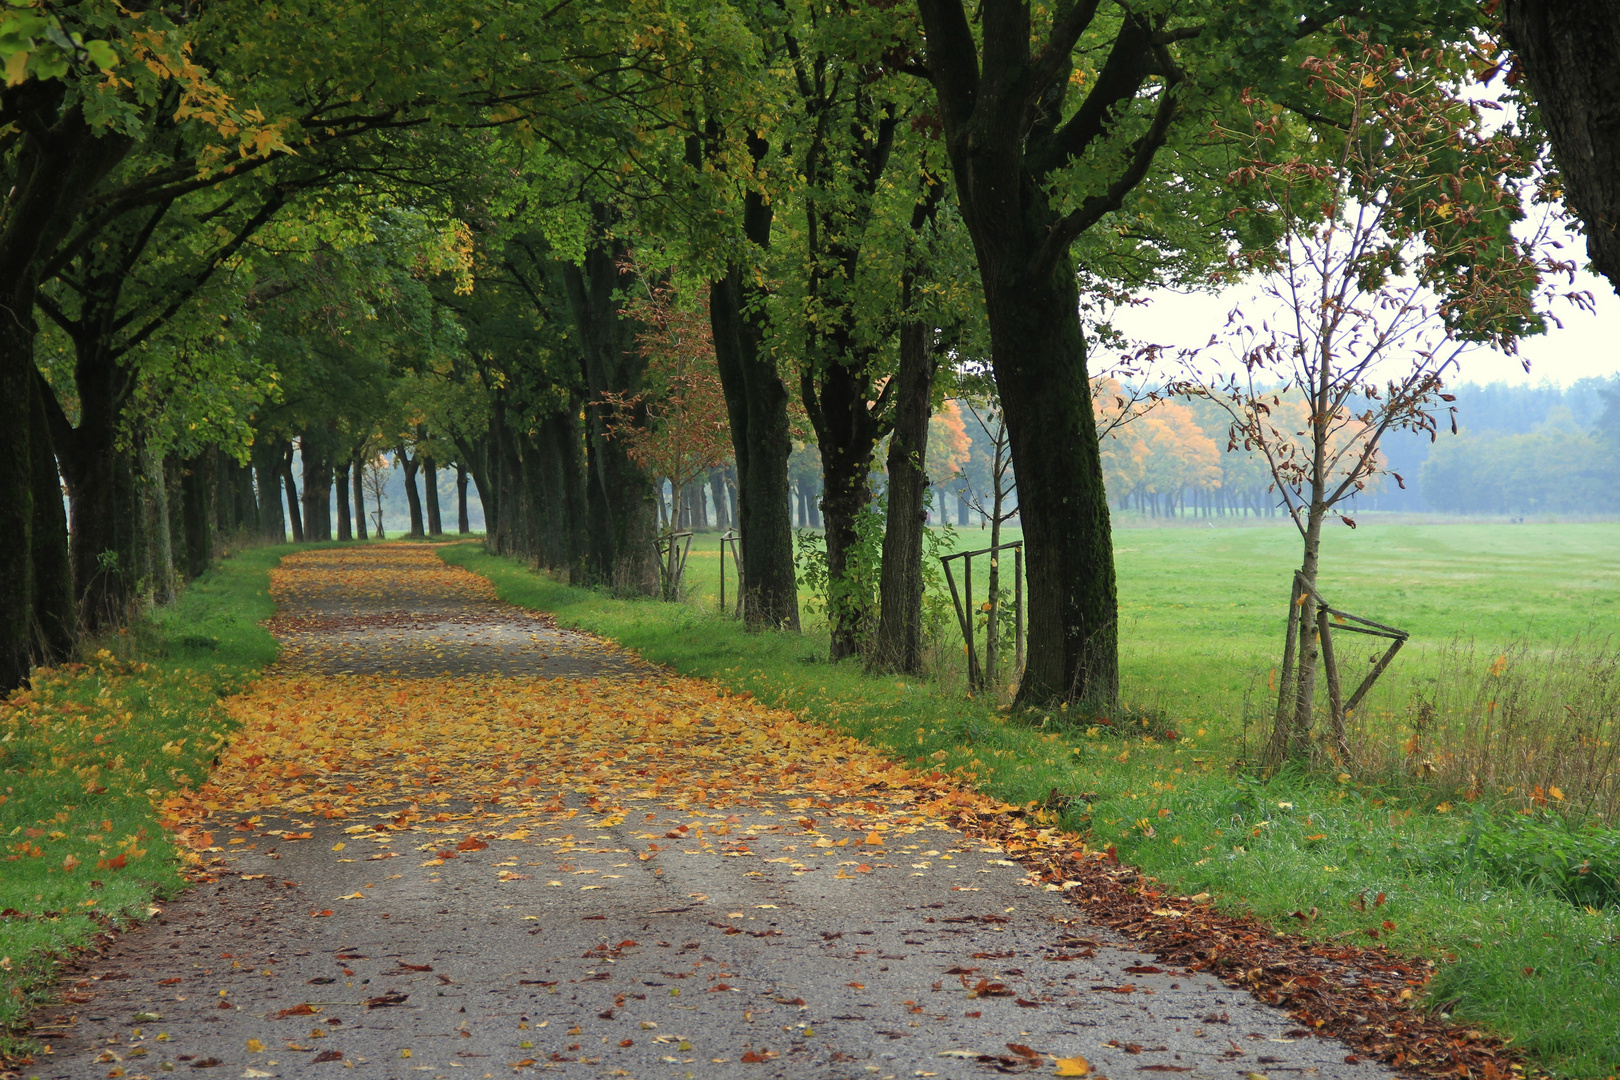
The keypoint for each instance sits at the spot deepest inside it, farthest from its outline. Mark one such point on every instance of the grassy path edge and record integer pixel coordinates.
(86, 755)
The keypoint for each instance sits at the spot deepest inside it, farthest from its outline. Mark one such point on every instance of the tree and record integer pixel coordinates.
(1395, 253)
(1036, 171)
(1569, 51)
(674, 427)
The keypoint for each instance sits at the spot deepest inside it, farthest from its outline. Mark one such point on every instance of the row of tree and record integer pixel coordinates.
(580, 249)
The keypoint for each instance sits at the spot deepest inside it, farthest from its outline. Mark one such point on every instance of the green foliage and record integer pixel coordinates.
(1580, 865)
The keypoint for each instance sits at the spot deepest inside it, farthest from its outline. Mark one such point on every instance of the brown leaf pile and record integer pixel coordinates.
(1363, 997)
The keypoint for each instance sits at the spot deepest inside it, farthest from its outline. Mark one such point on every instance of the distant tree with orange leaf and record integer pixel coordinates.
(949, 447)
(675, 426)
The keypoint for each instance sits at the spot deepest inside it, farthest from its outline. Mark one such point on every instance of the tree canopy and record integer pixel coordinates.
(583, 252)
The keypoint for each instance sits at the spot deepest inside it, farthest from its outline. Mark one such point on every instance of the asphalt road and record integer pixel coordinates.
(764, 947)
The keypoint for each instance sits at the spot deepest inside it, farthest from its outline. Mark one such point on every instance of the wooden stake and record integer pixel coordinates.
(1284, 718)
(1372, 676)
(1341, 741)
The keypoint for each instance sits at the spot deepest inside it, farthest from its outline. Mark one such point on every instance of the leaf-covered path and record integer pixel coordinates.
(451, 840)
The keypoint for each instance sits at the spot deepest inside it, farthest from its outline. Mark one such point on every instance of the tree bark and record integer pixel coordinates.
(57, 160)
(159, 570)
(55, 624)
(17, 492)
(838, 400)
(898, 645)
(317, 458)
(756, 403)
(273, 522)
(717, 495)
(1007, 133)
(1570, 52)
(196, 493)
(358, 467)
(621, 503)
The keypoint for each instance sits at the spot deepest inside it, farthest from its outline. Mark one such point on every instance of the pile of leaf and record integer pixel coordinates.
(1368, 998)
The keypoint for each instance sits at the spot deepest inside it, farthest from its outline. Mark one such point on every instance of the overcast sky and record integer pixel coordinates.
(1586, 345)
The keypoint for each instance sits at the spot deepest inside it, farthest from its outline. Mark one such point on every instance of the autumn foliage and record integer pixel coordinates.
(685, 429)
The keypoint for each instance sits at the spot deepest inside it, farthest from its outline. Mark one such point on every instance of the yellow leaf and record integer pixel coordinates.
(255, 1046)
(1075, 1066)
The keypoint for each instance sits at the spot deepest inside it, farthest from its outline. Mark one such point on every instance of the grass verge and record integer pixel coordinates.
(1321, 855)
(88, 750)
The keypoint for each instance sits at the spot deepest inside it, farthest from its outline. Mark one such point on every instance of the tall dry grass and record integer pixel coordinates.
(1534, 725)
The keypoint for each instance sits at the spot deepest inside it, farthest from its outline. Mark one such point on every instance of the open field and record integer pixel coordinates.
(1202, 610)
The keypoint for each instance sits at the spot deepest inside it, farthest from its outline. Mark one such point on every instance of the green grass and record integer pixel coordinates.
(1202, 613)
(87, 750)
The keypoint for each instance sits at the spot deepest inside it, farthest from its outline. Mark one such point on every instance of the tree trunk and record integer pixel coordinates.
(413, 498)
(717, 495)
(295, 517)
(1570, 52)
(159, 570)
(430, 489)
(273, 522)
(317, 459)
(18, 484)
(838, 400)
(1046, 402)
(196, 492)
(898, 646)
(756, 401)
(55, 624)
(1298, 744)
(104, 536)
(345, 530)
(621, 500)
(358, 467)
(56, 161)
(551, 459)
(463, 525)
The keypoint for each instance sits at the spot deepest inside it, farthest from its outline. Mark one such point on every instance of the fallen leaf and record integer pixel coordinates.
(1072, 1066)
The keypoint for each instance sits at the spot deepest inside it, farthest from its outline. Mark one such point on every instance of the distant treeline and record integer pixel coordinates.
(1519, 450)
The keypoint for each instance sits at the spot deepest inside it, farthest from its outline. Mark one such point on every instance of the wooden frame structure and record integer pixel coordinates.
(1329, 619)
(964, 604)
(733, 539)
(672, 556)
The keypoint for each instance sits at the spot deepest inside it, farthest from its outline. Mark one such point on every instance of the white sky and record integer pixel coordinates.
(1588, 344)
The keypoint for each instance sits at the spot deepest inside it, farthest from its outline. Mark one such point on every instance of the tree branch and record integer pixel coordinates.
(1095, 207)
(953, 59)
(1119, 81)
